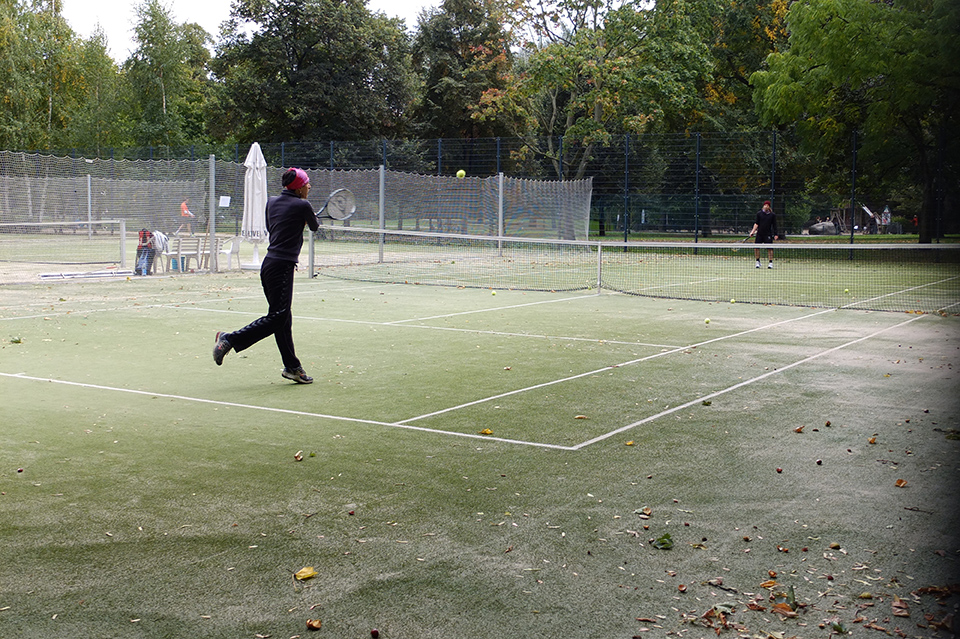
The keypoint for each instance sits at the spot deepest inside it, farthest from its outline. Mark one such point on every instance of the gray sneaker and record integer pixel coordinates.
(297, 374)
(221, 348)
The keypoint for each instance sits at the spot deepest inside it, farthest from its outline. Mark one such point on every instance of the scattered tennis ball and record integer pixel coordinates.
(461, 174)
(706, 321)
(846, 290)
(733, 301)
(493, 293)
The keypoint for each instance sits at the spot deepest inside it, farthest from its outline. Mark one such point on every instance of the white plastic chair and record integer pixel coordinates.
(231, 248)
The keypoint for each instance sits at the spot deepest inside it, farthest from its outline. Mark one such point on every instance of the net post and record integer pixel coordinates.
(382, 210)
(500, 214)
(212, 217)
(89, 207)
(123, 243)
(599, 265)
(311, 254)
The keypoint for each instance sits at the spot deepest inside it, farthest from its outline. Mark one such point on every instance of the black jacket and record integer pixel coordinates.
(287, 214)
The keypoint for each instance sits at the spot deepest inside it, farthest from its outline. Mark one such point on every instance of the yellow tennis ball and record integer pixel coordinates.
(461, 174)
(846, 290)
(706, 321)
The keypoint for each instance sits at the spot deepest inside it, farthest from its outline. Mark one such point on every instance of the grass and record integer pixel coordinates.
(160, 495)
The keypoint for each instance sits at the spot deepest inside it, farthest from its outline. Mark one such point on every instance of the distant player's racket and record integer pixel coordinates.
(339, 206)
(746, 239)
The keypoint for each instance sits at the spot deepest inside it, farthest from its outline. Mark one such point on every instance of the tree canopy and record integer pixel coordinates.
(890, 70)
(567, 77)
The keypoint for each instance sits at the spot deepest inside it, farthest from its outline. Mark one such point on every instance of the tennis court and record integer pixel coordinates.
(479, 460)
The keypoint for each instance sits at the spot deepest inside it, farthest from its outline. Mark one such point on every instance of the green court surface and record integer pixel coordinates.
(474, 462)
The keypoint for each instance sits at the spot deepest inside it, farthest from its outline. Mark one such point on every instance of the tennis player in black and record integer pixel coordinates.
(287, 214)
(765, 228)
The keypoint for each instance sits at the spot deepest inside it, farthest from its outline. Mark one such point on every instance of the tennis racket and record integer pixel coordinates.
(340, 205)
(746, 239)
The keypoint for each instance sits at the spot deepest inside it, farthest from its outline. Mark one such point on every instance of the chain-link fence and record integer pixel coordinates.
(699, 184)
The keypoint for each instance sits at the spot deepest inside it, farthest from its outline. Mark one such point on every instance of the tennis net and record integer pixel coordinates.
(29, 249)
(889, 277)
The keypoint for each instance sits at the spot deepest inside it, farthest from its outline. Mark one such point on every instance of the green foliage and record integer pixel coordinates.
(460, 50)
(886, 69)
(317, 69)
(166, 75)
(600, 70)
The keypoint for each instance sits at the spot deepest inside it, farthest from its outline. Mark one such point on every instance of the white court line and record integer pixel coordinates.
(902, 291)
(405, 424)
(704, 398)
(498, 308)
(285, 411)
(612, 366)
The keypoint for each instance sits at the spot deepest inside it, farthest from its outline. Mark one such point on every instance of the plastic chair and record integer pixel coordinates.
(231, 248)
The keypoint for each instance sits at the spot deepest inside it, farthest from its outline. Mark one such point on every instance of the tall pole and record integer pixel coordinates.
(696, 196)
(626, 188)
(853, 186)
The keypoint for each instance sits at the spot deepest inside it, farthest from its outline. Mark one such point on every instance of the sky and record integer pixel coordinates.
(116, 17)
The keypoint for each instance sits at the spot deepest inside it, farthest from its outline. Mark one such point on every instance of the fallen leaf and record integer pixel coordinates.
(783, 609)
(900, 607)
(486, 431)
(630, 443)
(768, 584)
(299, 455)
(581, 417)
(901, 483)
(798, 429)
(313, 624)
(305, 573)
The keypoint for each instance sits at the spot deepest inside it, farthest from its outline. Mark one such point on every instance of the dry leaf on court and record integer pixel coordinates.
(581, 417)
(901, 483)
(630, 443)
(486, 431)
(313, 624)
(783, 609)
(305, 573)
(299, 455)
(900, 607)
(768, 584)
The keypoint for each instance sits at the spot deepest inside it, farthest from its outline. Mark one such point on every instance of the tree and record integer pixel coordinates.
(745, 33)
(597, 69)
(165, 71)
(460, 50)
(37, 72)
(889, 70)
(96, 120)
(311, 69)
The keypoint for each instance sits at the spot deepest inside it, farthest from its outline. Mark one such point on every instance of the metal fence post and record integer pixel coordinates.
(853, 189)
(696, 195)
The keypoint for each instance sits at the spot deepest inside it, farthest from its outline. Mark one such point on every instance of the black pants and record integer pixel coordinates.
(276, 277)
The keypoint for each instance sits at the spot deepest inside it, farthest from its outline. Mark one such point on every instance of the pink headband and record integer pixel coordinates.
(301, 179)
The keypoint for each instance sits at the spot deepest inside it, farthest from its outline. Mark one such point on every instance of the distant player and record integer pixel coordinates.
(187, 217)
(765, 228)
(287, 214)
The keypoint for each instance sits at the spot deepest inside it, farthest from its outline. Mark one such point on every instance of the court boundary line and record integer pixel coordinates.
(638, 360)
(285, 411)
(737, 386)
(406, 423)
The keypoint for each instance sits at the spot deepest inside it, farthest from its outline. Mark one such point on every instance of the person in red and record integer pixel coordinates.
(287, 215)
(765, 228)
(185, 213)
(916, 223)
